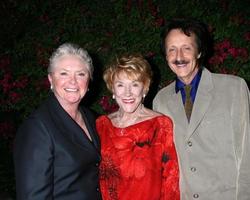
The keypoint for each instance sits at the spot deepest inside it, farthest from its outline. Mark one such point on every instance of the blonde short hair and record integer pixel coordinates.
(133, 65)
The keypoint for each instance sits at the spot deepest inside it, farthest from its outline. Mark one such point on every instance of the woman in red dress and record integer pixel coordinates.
(139, 160)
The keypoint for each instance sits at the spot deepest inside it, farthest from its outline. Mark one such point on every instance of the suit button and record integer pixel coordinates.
(190, 143)
(193, 169)
(196, 196)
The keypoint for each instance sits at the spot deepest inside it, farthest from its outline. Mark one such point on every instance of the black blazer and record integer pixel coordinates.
(54, 159)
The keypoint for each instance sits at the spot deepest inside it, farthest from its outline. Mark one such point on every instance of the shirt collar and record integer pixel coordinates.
(194, 83)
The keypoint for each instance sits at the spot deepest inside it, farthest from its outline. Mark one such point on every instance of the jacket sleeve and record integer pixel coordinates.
(242, 140)
(170, 175)
(33, 158)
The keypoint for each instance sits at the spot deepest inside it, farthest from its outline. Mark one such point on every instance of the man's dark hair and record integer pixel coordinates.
(189, 26)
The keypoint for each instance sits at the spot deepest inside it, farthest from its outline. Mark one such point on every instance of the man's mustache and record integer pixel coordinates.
(180, 62)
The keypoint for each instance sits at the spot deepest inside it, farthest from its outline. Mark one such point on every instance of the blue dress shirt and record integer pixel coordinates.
(179, 86)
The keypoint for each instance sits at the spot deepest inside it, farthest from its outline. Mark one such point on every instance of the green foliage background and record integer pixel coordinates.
(32, 29)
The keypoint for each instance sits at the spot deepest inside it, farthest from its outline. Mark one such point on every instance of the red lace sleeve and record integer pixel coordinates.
(170, 184)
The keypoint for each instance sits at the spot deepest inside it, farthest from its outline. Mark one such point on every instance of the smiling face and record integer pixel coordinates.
(128, 93)
(69, 80)
(182, 55)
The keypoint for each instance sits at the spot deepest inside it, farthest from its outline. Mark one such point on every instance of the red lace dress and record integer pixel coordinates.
(138, 162)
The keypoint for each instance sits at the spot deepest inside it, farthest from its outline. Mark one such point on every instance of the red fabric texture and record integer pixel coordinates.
(139, 162)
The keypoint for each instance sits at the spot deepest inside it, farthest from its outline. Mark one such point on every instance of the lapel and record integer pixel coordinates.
(200, 107)
(90, 124)
(176, 111)
(69, 128)
(202, 101)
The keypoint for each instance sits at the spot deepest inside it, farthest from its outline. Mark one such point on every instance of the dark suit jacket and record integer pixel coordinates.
(54, 159)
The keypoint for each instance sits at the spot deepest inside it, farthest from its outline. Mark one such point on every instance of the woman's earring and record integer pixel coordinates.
(51, 87)
(113, 96)
(199, 56)
(143, 97)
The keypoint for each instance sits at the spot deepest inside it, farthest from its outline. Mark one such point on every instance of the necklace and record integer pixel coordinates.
(124, 125)
(124, 120)
(127, 122)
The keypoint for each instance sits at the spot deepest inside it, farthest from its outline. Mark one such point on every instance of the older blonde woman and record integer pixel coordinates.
(57, 148)
(138, 153)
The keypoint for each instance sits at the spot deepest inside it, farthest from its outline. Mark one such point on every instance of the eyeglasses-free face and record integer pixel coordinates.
(69, 80)
(182, 55)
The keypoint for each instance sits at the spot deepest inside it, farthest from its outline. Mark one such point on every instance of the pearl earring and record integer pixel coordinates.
(113, 96)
